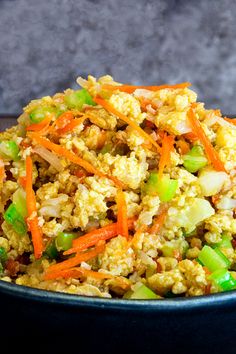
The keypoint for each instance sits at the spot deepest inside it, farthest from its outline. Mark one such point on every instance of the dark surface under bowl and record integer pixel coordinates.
(63, 323)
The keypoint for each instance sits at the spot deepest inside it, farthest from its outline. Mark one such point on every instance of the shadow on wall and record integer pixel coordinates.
(48, 44)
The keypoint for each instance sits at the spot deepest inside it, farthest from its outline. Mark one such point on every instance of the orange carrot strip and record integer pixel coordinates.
(167, 147)
(39, 126)
(22, 181)
(71, 125)
(190, 136)
(158, 222)
(91, 238)
(76, 272)
(143, 228)
(230, 120)
(61, 151)
(32, 220)
(2, 171)
(122, 221)
(215, 199)
(64, 119)
(77, 259)
(132, 88)
(211, 153)
(126, 119)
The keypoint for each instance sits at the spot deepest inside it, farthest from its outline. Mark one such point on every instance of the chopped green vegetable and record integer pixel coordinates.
(19, 199)
(3, 255)
(143, 292)
(78, 98)
(194, 160)
(213, 259)
(164, 187)
(51, 250)
(225, 242)
(221, 254)
(223, 279)
(40, 113)
(168, 249)
(64, 240)
(9, 150)
(106, 148)
(15, 219)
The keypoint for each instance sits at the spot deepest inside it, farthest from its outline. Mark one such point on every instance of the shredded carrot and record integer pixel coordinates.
(22, 181)
(90, 239)
(122, 220)
(230, 120)
(183, 146)
(132, 88)
(211, 153)
(76, 272)
(77, 259)
(80, 173)
(126, 119)
(158, 222)
(71, 125)
(64, 119)
(135, 239)
(32, 220)
(61, 151)
(215, 198)
(39, 126)
(190, 136)
(2, 171)
(167, 147)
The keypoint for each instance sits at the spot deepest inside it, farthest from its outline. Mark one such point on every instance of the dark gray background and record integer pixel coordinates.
(45, 45)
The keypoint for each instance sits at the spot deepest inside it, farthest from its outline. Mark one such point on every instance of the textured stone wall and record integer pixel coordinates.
(46, 44)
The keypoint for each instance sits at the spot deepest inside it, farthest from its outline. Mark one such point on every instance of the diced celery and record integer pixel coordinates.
(168, 250)
(9, 150)
(150, 186)
(223, 279)
(15, 219)
(39, 113)
(225, 242)
(78, 98)
(143, 292)
(164, 187)
(106, 148)
(3, 255)
(212, 259)
(221, 254)
(51, 250)
(194, 160)
(19, 199)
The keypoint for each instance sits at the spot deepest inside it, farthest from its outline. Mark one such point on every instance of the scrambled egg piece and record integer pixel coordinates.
(103, 119)
(150, 206)
(226, 137)
(118, 257)
(19, 243)
(88, 203)
(188, 277)
(127, 105)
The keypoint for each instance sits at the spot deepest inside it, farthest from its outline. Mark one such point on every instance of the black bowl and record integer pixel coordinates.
(64, 323)
(58, 322)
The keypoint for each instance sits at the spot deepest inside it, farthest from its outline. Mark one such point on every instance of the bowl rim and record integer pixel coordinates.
(178, 304)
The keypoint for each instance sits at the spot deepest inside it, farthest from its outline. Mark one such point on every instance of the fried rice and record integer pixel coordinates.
(119, 191)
